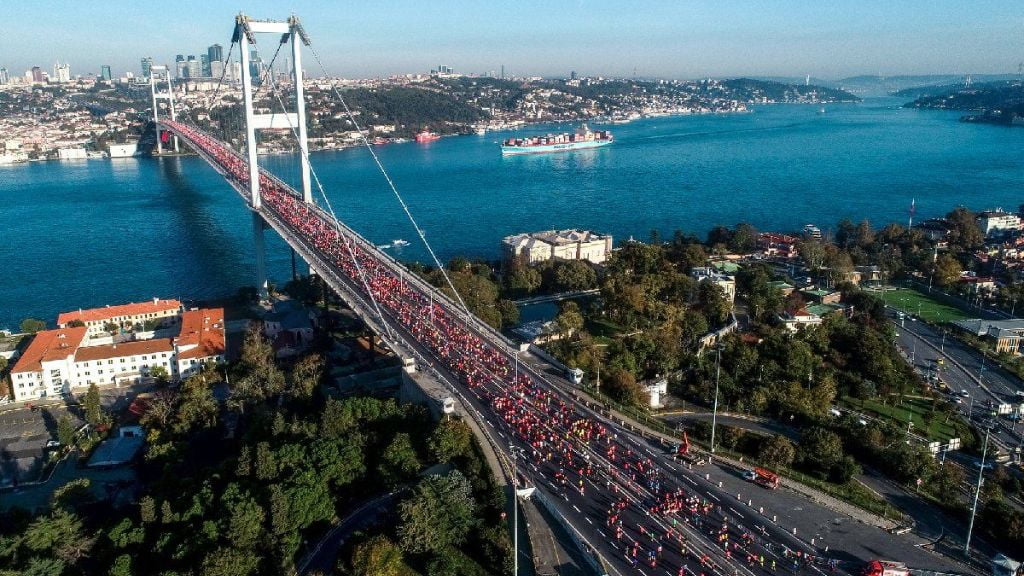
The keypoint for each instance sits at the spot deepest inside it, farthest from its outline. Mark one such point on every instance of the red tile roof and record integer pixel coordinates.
(203, 329)
(132, 348)
(107, 312)
(49, 345)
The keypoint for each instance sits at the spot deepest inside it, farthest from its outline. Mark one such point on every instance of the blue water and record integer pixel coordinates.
(101, 232)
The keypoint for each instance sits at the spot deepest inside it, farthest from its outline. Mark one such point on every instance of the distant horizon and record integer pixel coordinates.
(677, 40)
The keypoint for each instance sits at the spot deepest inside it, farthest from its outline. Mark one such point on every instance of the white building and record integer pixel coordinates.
(724, 281)
(564, 244)
(60, 361)
(124, 315)
(71, 154)
(997, 221)
(655, 390)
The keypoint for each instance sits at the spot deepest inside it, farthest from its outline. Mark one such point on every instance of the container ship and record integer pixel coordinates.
(583, 138)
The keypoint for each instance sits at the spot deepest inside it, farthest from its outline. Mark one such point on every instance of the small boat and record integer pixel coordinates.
(399, 243)
(426, 136)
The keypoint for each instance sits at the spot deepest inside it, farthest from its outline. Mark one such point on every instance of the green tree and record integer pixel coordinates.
(947, 270)
(572, 275)
(245, 523)
(159, 373)
(122, 566)
(32, 325)
(266, 463)
(713, 302)
(258, 375)
(439, 514)
(508, 311)
(621, 386)
(399, 462)
(229, 562)
(522, 279)
(964, 234)
(147, 509)
(125, 533)
(378, 556)
(92, 406)
(197, 407)
(65, 432)
(820, 448)
(72, 494)
(777, 451)
(450, 440)
(306, 376)
(43, 567)
(744, 238)
(60, 533)
(569, 318)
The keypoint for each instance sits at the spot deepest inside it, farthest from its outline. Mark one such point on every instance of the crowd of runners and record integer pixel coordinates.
(648, 516)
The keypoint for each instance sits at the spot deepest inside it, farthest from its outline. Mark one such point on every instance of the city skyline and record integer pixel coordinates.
(679, 40)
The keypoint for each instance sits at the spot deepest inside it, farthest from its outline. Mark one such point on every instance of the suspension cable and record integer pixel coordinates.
(394, 189)
(337, 223)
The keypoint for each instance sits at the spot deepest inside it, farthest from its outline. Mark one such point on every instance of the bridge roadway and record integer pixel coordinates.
(624, 496)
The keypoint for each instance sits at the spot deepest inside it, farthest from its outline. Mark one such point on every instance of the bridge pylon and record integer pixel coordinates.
(160, 75)
(245, 34)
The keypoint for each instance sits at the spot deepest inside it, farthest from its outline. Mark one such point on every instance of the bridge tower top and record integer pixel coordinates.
(289, 30)
(158, 76)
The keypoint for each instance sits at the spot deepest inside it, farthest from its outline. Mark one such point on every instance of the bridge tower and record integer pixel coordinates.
(245, 34)
(161, 75)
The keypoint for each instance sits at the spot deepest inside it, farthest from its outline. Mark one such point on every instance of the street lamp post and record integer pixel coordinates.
(714, 410)
(977, 492)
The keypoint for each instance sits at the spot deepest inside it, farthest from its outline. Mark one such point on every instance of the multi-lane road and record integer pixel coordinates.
(979, 385)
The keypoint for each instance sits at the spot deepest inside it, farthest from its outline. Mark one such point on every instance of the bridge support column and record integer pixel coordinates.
(258, 225)
(300, 105)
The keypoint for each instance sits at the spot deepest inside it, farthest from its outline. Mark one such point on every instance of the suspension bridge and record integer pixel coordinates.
(627, 500)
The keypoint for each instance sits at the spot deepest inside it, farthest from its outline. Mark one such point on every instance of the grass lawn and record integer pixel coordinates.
(915, 410)
(910, 301)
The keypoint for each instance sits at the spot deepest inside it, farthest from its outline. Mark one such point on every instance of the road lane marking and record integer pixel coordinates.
(713, 496)
(577, 509)
(588, 521)
(737, 513)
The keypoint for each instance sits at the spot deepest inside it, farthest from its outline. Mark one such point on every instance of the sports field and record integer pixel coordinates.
(911, 302)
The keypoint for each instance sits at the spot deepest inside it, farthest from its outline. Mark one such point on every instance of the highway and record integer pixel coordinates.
(962, 370)
(625, 496)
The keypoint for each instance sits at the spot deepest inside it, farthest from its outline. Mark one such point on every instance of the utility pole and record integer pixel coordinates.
(714, 413)
(977, 492)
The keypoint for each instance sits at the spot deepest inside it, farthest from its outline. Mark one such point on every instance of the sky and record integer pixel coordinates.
(828, 39)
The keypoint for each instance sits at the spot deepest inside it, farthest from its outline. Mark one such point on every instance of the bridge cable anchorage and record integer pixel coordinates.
(334, 217)
(394, 189)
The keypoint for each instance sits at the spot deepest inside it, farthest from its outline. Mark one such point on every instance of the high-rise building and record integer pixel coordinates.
(61, 72)
(255, 67)
(195, 67)
(215, 53)
(147, 66)
(204, 65)
(105, 74)
(216, 69)
(5, 77)
(572, 75)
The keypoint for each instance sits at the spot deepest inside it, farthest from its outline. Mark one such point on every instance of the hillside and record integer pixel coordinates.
(995, 102)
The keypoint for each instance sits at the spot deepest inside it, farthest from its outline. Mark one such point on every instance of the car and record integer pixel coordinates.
(749, 475)
(965, 393)
(958, 400)
(1019, 393)
(835, 412)
(52, 444)
(977, 464)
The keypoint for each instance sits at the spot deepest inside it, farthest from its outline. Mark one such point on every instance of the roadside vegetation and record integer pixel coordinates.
(246, 484)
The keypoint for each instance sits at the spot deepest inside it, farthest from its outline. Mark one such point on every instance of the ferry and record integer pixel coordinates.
(426, 136)
(581, 139)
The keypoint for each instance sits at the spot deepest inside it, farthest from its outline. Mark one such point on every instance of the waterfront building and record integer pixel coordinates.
(997, 221)
(124, 315)
(563, 244)
(724, 281)
(62, 361)
(780, 245)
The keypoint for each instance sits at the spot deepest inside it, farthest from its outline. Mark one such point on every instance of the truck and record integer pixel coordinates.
(885, 568)
(766, 478)
(687, 453)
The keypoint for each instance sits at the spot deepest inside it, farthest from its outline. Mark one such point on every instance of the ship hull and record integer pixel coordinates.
(552, 148)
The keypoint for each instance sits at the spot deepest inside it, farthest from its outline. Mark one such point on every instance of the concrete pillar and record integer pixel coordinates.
(156, 117)
(300, 105)
(250, 128)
